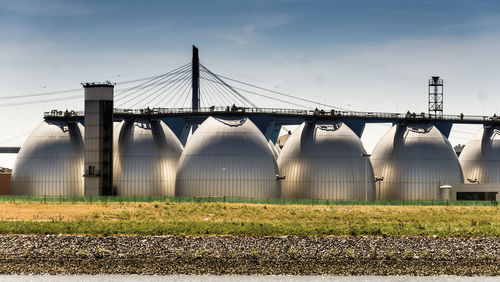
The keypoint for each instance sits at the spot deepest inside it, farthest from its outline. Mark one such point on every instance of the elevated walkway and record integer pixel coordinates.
(270, 120)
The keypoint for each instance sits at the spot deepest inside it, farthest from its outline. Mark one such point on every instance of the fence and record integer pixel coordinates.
(277, 201)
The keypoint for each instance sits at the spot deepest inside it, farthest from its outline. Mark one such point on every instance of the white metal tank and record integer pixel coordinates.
(480, 158)
(414, 160)
(227, 157)
(50, 162)
(325, 160)
(146, 154)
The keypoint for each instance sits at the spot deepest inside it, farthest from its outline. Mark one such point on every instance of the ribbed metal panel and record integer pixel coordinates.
(275, 149)
(413, 159)
(50, 162)
(480, 158)
(146, 157)
(227, 157)
(324, 161)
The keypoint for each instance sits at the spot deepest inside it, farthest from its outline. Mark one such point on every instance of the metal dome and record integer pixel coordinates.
(146, 154)
(325, 160)
(480, 158)
(50, 162)
(275, 149)
(227, 157)
(414, 159)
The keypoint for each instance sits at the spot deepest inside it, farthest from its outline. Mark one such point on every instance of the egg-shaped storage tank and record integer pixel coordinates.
(146, 154)
(50, 161)
(414, 161)
(480, 158)
(227, 157)
(325, 160)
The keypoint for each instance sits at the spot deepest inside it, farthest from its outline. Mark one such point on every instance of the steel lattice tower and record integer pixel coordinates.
(436, 97)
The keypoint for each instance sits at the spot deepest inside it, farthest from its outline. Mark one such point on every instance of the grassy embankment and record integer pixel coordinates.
(246, 219)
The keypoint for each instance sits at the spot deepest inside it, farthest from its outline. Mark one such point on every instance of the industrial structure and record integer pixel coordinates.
(146, 153)
(436, 97)
(228, 157)
(50, 161)
(5, 178)
(98, 138)
(325, 160)
(232, 150)
(480, 161)
(414, 160)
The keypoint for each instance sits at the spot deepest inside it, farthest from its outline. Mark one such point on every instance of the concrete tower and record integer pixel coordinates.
(98, 139)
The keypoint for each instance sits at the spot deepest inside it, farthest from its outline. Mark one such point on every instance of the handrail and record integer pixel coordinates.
(289, 112)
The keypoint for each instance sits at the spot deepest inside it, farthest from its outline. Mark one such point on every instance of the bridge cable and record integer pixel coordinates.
(149, 82)
(184, 80)
(283, 94)
(268, 97)
(40, 94)
(223, 89)
(167, 85)
(164, 88)
(209, 86)
(164, 82)
(145, 87)
(148, 87)
(233, 99)
(227, 85)
(79, 96)
(186, 98)
(181, 80)
(186, 84)
(182, 92)
(210, 96)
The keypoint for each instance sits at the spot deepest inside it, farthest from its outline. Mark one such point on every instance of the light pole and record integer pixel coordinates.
(378, 179)
(366, 174)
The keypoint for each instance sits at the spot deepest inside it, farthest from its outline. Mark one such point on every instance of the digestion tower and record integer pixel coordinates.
(145, 159)
(415, 160)
(325, 160)
(51, 160)
(227, 157)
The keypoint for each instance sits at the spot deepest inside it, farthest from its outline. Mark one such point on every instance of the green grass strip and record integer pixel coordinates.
(126, 227)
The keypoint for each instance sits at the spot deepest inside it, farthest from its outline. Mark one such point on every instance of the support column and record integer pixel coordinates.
(444, 127)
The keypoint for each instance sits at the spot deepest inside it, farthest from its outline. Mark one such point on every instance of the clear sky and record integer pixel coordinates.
(357, 54)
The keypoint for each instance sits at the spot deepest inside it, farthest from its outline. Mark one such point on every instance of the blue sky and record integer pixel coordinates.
(362, 55)
(302, 25)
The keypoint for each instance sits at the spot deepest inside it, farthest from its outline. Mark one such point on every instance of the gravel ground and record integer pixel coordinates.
(61, 254)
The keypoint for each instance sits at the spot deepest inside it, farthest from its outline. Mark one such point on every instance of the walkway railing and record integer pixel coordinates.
(288, 112)
(317, 112)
